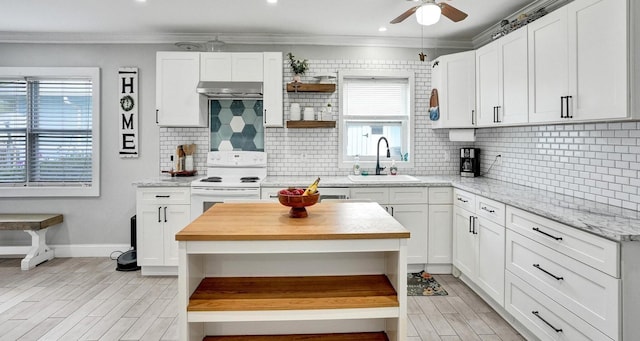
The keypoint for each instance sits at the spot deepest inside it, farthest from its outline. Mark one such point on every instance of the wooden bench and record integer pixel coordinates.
(36, 226)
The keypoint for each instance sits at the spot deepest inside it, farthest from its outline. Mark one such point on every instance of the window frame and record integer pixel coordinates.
(76, 190)
(409, 128)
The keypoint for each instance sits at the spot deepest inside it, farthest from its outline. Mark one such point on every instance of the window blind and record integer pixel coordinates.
(376, 97)
(46, 132)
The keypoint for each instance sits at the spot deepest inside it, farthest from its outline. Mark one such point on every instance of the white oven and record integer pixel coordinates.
(230, 175)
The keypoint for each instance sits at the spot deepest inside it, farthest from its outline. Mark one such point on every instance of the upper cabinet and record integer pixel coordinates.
(177, 103)
(501, 80)
(272, 90)
(578, 62)
(227, 66)
(454, 77)
(178, 74)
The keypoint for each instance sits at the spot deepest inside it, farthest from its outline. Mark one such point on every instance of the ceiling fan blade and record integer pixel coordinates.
(404, 15)
(452, 13)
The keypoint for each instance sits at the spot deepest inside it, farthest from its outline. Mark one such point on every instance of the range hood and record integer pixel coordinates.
(230, 89)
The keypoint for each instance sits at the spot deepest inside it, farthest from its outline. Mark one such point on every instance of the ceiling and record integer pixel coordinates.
(322, 22)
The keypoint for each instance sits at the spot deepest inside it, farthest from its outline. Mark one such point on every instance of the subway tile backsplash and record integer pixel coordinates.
(594, 161)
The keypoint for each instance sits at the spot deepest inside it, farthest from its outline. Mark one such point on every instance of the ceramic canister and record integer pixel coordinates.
(309, 114)
(294, 112)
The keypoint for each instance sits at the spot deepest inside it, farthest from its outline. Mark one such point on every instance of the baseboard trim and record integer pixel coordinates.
(89, 250)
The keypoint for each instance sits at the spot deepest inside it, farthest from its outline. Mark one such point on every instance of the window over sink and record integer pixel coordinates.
(375, 104)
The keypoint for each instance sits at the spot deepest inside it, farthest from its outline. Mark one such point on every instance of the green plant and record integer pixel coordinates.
(297, 66)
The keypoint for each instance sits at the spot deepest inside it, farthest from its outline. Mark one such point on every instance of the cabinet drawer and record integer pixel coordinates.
(600, 253)
(163, 195)
(490, 209)
(440, 195)
(589, 293)
(376, 194)
(408, 195)
(532, 308)
(464, 200)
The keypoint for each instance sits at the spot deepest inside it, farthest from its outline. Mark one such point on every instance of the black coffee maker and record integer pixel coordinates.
(469, 162)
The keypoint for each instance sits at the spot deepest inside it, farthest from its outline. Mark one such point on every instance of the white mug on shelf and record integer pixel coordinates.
(294, 112)
(308, 114)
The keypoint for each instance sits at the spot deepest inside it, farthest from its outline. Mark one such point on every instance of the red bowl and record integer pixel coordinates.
(298, 203)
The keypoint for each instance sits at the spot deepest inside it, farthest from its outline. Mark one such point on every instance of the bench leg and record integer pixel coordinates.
(39, 251)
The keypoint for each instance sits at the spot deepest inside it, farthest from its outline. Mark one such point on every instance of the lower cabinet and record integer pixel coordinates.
(161, 213)
(409, 206)
(479, 243)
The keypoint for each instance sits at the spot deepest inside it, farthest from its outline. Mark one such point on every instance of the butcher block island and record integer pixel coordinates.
(248, 271)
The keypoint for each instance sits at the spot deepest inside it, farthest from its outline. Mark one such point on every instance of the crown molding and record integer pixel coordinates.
(485, 36)
(230, 38)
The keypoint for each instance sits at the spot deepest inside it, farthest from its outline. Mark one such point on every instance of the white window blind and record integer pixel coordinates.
(376, 97)
(46, 131)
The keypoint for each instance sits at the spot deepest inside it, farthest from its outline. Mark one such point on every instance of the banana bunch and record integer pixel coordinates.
(313, 188)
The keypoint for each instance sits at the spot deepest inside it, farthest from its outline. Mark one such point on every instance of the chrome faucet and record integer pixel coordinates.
(378, 168)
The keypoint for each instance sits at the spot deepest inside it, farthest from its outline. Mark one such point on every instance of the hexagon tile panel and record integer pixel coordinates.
(236, 125)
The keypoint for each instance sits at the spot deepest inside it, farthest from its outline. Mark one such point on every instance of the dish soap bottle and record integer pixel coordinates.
(356, 165)
(393, 170)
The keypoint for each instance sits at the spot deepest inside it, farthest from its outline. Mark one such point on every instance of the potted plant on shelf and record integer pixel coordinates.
(299, 67)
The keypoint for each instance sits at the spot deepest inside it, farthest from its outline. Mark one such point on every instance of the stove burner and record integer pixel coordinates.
(249, 179)
(212, 179)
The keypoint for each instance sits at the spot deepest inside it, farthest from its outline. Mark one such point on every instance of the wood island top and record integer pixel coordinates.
(271, 221)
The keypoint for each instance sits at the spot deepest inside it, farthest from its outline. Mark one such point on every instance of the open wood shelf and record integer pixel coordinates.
(311, 124)
(304, 87)
(372, 336)
(292, 293)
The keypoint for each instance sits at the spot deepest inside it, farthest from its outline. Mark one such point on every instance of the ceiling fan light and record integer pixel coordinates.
(428, 14)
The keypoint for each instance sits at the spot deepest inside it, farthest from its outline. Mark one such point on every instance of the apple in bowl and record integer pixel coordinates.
(294, 198)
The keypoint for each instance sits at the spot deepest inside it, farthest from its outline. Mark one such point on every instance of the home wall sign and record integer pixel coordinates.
(128, 112)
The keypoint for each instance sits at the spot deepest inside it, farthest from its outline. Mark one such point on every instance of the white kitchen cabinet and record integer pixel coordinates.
(479, 242)
(568, 80)
(454, 77)
(161, 213)
(440, 237)
(236, 66)
(501, 80)
(177, 102)
(273, 90)
(408, 205)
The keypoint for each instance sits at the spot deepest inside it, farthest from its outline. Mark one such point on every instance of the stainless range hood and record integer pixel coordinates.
(230, 89)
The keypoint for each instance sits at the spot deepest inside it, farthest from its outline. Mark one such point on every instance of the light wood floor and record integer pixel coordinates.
(86, 299)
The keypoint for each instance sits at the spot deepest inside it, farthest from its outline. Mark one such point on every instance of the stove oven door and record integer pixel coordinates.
(202, 198)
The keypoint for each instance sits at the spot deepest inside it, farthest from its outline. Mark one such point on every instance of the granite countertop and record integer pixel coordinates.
(607, 221)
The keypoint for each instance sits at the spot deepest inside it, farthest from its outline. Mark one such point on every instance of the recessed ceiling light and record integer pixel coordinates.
(141, 0)
(272, 1)
(382, 29)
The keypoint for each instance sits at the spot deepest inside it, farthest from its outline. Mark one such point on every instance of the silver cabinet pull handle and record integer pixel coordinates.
(165, 214)
(159, 208)
(460, 199)
(488, 210)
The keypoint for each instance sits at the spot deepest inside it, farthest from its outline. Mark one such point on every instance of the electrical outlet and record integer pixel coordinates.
(445, 156)
(498, 160)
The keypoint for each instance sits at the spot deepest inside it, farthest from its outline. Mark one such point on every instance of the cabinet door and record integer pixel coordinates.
(548, 66)
(215, 66)
(247, 67)
(487, 83)
(490, 258)
(149, 235)
(177, 103)
(178, 216)
(440, 234)
(415, 219)
(458, 90)
(513, 78)
(464, 242)
(273, 90)
(376, 194)
(597, 33)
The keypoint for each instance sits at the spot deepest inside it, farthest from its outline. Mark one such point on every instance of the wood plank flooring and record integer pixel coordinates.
(86, 299)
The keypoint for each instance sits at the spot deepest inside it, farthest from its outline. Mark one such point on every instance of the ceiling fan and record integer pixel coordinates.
(428, 13)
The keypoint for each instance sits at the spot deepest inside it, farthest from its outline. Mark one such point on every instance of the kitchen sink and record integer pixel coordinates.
(383, 178)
